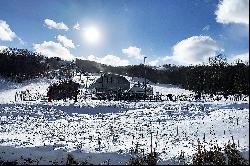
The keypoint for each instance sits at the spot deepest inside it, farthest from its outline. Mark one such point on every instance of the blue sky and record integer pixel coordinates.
(166, 31)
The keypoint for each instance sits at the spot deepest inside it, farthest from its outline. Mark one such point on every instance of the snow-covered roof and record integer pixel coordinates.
(136, 89)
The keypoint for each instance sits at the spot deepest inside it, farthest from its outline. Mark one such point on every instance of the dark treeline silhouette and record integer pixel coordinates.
(218, 77)
(21, 64)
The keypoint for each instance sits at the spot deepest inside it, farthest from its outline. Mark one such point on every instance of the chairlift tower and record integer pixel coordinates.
(102, 77)
(87, 82)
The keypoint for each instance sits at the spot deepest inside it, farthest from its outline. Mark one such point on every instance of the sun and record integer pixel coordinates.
(92, 35)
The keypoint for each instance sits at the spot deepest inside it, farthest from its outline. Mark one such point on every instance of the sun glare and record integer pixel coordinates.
(92, 35)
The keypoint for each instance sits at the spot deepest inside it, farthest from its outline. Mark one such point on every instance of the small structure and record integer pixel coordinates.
(110, 83)
(139, 89)
(27, 95)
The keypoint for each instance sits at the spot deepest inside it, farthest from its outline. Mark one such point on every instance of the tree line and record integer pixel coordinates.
(216, 77)
(22, 64)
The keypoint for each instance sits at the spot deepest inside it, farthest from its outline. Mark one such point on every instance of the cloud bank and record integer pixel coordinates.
(65, 41)
(233, 11)
(243, 57)
(153, 62)
(53, 49)
(193, 50)
(133, 52)
(6, 34)
(109, 60)
(76, 26)
(52, 24)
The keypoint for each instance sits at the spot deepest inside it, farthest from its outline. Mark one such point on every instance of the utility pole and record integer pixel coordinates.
(145, 85)
(151, 142)
(102, 77)
(87, 82)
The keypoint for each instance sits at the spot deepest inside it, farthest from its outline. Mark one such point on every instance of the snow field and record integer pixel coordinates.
(119, 132)
(96, 131)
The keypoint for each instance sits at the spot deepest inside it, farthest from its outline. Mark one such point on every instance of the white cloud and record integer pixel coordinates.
(243, 57)
(21, 41)
(206, 28)
(193, 50)
(52, 49)
(77, 26)
(233, 11)
(65, 41)
(109, 60)
(6, 34)
(52, 24)
(133, 52)
(153, 62)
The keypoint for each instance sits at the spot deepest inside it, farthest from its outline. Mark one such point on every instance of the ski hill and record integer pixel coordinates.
(101, 132)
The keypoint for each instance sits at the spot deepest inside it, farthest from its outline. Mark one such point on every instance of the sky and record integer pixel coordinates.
(123, 32)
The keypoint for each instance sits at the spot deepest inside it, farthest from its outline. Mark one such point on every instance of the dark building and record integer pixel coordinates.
(110, 82)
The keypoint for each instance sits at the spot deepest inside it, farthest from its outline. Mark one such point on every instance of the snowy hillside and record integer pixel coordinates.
(96, 131)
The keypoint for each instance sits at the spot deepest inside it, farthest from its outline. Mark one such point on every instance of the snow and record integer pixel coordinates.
(47, 132)
(170, 89)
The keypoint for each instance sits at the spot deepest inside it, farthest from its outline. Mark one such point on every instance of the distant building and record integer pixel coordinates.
(140, 89)
(110, 82)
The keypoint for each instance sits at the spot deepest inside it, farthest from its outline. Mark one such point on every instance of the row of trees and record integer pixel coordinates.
(216, 77)
(21, 64)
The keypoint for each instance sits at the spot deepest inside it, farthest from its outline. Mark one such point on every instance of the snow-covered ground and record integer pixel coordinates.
(47, 132)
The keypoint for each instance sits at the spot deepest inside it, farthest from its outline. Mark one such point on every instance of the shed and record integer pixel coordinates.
(110, 82)
(140, 89)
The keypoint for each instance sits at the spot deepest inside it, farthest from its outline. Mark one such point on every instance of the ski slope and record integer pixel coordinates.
(106, 131)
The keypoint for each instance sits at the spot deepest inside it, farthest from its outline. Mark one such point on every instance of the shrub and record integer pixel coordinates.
(228, 155)
(63, 90)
